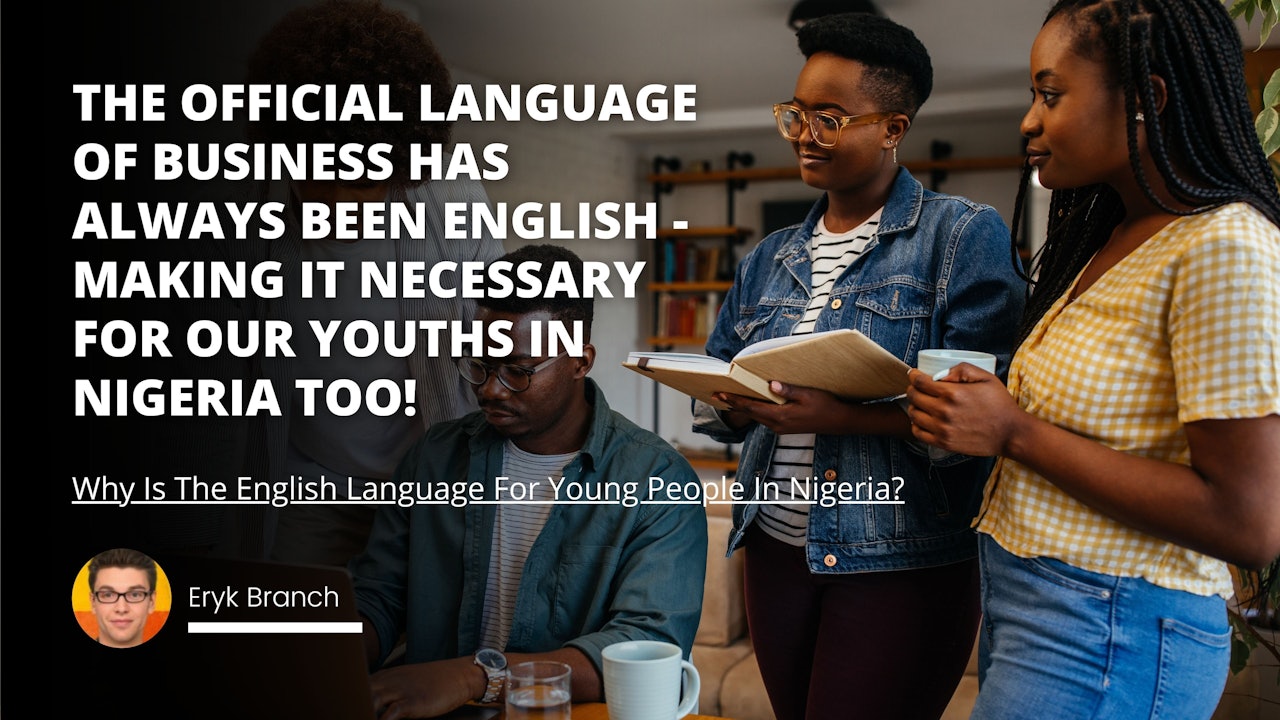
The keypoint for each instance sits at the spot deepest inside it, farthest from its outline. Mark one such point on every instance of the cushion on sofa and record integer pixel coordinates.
(742, 696)
(713, 663)
(724, 617)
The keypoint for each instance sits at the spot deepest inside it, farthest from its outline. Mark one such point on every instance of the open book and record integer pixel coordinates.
(844, 362)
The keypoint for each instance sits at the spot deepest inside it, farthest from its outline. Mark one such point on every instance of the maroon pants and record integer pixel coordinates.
(865, 645)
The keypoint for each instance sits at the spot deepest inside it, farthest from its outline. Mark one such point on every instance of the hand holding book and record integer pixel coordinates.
(843, 362)
(809, 410)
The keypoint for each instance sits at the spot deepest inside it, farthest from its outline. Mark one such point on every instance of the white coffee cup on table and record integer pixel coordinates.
(643, 679)
(937, 362)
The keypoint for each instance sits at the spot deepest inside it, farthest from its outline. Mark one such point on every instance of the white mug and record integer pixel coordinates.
(642, 681)
(937, 362)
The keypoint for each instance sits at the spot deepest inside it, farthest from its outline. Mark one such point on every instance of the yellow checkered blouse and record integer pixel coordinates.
(1186, 328)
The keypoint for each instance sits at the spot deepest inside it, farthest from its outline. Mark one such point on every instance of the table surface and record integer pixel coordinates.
(581, 711)
(600, 711)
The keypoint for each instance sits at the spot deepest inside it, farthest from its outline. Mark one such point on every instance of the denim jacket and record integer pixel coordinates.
(938, 274)
(597, 573)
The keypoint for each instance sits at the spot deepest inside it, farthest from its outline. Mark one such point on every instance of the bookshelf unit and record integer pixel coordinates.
(692, 266)
(693, 269)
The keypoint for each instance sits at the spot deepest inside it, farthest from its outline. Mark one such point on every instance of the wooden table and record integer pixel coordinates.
(581, 711)
(599, 711)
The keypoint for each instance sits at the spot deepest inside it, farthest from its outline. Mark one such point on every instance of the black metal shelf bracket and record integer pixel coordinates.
(663, 164)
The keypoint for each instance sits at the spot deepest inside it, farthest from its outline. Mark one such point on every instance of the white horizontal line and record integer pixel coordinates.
(814, 502)
(289, 628)
(544, 502)
(365, 502)
(486, 502)
(200, 502)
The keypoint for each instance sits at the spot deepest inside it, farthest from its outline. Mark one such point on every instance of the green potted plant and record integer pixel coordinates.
(1255, 617)
(1268, 120)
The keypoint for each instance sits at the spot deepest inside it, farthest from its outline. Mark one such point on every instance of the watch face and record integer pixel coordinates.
(491, 659)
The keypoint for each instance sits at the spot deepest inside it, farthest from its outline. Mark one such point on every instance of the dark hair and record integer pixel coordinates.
(899, 73)
(1203, 143)
(122, 558)
(346, 43)
(562, 306)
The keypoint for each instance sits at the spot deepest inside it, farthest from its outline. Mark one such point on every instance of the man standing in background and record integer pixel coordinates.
(345, 43)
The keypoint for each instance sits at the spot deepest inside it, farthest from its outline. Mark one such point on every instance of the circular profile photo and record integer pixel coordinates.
(121, 598)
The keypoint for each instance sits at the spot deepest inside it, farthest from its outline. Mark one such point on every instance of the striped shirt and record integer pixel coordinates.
(1185, 328)
(515, 529)
(830, 254)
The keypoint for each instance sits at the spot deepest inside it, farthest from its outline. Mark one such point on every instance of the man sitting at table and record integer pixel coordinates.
(538, 580)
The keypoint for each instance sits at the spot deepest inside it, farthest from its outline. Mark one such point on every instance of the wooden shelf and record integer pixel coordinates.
(704, 286)
(715, 176)
(716, 464)
(714, 231)
(1013, 162)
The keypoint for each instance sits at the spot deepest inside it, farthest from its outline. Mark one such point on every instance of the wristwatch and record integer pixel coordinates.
(494, 665)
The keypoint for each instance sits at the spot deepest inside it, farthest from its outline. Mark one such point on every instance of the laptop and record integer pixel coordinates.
(276, 675)
(265, 676)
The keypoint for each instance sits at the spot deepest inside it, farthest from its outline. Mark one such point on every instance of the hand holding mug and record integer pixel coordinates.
(971, 412)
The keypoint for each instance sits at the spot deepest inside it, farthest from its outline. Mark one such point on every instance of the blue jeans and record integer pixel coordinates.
(1060, 642)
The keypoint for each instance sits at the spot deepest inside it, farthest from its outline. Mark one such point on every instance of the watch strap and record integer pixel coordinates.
(496, 679)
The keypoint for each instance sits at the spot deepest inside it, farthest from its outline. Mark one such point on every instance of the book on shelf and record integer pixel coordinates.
(686, 261)
(844, 362)
(685, 315)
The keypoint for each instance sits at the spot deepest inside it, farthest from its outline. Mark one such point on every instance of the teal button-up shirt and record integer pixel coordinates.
(597, 574)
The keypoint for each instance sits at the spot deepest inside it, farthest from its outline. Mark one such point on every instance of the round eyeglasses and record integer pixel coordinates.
(109, 597)
(824, 127)
(515, 378)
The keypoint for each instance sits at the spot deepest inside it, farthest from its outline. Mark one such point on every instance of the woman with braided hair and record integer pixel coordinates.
(912, 269)
(1139, 436)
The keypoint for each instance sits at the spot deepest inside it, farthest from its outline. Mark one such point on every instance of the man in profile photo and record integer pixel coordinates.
(122, 591)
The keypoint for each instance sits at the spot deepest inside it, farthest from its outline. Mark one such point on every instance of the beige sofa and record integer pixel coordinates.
(731, 683)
